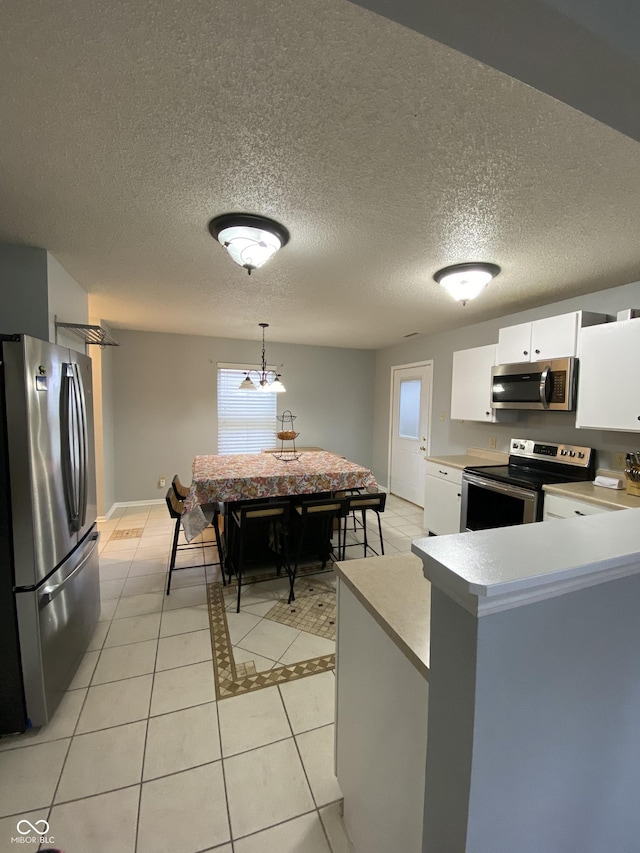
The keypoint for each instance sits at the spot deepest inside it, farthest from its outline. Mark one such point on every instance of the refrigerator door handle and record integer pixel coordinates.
(81, 421)
(67, 441)
(71, 446)
(50, 592)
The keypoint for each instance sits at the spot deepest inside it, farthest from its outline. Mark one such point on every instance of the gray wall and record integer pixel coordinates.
(164, 392)
(24, 300)
(455, 436)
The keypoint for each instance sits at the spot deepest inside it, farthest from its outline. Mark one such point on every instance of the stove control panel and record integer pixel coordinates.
(565, 454)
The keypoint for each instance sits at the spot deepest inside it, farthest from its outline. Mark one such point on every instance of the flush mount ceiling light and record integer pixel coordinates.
(466, 281)
(268, 380)
(250, 240)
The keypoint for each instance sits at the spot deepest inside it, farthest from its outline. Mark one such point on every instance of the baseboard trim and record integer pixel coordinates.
(119, 504)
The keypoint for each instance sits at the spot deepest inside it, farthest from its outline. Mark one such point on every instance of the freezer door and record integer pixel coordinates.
(43, 531)
(55, 624)
(82, 435)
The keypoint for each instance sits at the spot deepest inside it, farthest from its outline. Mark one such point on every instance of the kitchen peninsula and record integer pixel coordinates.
(530, 677)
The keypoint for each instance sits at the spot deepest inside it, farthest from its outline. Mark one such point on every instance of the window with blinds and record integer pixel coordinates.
(246, 419)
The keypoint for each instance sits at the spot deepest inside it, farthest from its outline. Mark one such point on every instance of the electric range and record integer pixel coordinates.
(504, 495)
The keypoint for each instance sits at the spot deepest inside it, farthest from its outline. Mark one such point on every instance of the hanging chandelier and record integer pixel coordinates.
(250, 240)
(268, 380)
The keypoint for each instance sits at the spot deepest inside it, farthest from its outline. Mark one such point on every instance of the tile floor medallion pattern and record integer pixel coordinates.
(313, 612)
(130, 533)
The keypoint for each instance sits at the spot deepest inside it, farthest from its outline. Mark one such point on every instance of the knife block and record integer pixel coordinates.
(633, 488)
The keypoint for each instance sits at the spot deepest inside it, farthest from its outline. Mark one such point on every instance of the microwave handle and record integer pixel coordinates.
(543, 387)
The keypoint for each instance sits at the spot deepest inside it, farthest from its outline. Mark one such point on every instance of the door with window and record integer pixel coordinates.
(410, 429)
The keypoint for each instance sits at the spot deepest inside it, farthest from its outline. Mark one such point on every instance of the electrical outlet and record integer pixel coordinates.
(162, 483)
(619, 461)
(492, 442)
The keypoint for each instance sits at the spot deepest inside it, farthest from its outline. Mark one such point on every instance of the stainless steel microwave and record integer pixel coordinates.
(548, 385)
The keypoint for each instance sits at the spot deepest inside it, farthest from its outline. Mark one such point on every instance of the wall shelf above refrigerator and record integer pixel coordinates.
(90, 334)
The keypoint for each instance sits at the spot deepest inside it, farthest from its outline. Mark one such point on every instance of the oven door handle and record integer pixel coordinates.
(544, 376)
(494, 485)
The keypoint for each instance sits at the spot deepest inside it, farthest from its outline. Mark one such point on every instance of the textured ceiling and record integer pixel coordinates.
(127, 126)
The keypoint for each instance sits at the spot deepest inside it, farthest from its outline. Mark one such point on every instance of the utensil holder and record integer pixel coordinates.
(633, 488)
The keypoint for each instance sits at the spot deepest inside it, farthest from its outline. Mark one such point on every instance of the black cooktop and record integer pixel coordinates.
(527, 478)
(533, 464)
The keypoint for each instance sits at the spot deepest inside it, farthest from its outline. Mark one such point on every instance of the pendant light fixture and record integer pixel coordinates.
(268, 380)
(250, 240)
(466, 281)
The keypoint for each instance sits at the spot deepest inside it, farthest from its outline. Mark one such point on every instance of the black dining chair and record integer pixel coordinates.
(363, 503)
(175, 507)
(210, 511)
(250, 522)
(312, 523)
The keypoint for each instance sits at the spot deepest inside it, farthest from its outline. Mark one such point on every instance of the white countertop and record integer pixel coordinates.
(473, 457)
(491, 570)
(397, 595)
(614, 498)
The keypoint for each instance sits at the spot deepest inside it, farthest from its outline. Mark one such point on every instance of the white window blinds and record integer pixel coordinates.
(246, 419)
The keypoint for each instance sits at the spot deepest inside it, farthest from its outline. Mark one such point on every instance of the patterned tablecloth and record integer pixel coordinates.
(248, 476)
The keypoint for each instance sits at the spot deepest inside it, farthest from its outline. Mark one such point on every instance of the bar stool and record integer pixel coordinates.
(182, 492)
(374, 501)
(175, 507)
(247, 521)
(320, 510)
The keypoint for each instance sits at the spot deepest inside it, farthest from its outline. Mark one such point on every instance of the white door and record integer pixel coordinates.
(410, 430)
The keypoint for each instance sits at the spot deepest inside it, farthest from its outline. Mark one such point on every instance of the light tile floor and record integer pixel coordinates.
(140, 758)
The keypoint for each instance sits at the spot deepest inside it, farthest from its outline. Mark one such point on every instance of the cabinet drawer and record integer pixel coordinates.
(560, 507)
(444, 472)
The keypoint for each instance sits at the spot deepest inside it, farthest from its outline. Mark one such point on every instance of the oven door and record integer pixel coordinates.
(488, 503)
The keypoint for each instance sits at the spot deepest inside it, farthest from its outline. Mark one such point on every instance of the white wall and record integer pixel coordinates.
(164, 391)
(102, 370)
(68, 303)
(449, 436)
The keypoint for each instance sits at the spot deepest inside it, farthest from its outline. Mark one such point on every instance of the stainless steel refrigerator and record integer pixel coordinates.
(49, 582)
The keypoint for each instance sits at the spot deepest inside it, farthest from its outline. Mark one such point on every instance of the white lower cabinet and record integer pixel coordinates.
(443, 490)
(556, 506)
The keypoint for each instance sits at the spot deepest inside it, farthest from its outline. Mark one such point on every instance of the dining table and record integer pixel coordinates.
(253, 476)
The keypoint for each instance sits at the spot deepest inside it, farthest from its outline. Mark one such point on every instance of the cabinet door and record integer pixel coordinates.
(471, 384)
(514, 344)
(554, 337)
(608, 390)
(556, 506)
(442, 506)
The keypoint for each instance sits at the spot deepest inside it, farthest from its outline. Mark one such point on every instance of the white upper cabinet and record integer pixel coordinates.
(552, 337)
(608, 390)
(471, 386)
(514, 344)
